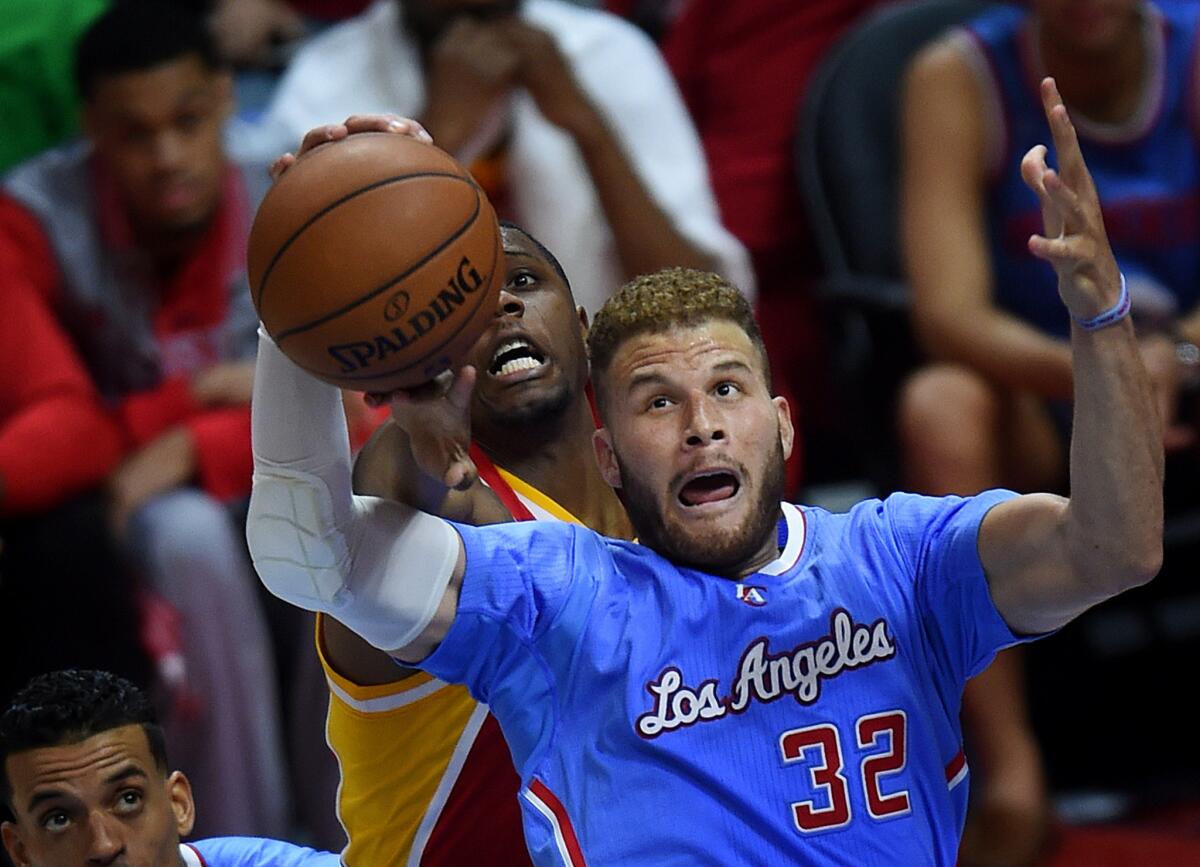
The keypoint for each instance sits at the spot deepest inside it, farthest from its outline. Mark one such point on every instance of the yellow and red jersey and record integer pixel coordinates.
(427, 778)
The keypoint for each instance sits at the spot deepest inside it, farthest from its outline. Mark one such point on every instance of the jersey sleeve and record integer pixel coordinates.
(519, 578)
(937, 538)
(259, 852)
(395, 744)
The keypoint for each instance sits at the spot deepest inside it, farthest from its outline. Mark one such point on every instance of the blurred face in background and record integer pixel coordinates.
(158, 131)
(428, 19)
(1087, 27)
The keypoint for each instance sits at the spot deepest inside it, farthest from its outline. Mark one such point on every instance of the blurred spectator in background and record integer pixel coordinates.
(567, 117)
(37, 91)
(993, 406)
(132, 243)
(743, 69)
(65, 598)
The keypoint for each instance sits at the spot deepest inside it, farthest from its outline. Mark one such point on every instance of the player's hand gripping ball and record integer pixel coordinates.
(375, 262)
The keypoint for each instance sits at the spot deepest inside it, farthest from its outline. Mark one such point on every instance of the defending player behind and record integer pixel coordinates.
(760, 683)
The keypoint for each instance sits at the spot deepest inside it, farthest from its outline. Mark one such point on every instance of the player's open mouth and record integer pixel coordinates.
(709, 487)
(514, 356)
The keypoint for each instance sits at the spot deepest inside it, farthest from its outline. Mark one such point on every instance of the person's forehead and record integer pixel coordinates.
(160, 88)
(690, 347)
(519, 250)
(74, 764)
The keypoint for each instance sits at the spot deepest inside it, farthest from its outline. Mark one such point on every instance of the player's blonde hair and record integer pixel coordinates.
(671, 298)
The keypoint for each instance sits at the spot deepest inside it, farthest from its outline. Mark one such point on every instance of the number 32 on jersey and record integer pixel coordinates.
(882, 736)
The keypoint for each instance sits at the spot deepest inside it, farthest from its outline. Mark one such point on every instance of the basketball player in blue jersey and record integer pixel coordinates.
(83, 770)
(993, 407)
(757, 683)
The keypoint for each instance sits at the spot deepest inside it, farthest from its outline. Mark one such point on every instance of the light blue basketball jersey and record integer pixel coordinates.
(252, 852)
(807, 714)
(1147, 176)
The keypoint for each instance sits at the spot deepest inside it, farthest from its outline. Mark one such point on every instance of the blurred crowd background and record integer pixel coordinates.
(851, 165)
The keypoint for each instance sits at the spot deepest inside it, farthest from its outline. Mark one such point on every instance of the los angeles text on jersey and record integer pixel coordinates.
(765, 676)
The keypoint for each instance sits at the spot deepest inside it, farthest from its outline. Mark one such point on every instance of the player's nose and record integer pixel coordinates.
(509, 304)
(704, 424)
(105, 844)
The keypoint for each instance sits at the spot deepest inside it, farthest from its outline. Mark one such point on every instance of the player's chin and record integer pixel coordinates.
(531, 400)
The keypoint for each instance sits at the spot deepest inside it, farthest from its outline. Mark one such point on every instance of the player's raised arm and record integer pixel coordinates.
(388, 571)
(1049, 559)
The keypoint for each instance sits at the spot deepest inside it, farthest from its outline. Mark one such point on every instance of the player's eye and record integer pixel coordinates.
(726, 389)
(129, 801)
(521, 280)
(659, 402)
(56, 821)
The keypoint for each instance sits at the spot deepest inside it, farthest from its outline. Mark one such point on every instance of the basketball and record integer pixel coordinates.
(375, 262)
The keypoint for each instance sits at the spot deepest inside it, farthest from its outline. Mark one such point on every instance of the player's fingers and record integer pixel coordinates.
(387, 123)
(462, 474)
(459, 394)
(1033, 167)
(368, 123)
(282, 164)
(1056, 113)
(321, 135)
(1063, 249)
(1033, 172)
(1065, 200)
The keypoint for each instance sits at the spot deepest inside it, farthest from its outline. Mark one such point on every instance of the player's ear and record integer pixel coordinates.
(179, 792)
(787, 433)
(14, 844)
(583, 321)
(606, 458)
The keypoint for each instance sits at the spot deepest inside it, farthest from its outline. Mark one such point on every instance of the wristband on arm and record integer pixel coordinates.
(1110, 316)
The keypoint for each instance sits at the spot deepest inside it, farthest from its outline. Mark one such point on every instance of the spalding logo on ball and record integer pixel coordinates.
(375, 262)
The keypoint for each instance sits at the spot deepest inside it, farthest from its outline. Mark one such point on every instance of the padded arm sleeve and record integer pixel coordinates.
(378, 566)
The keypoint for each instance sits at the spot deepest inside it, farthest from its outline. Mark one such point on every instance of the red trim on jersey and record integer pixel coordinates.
(956, 766)
(197, 853)
(483, 805)
(551, 800)
(495, 481)
(590, 394)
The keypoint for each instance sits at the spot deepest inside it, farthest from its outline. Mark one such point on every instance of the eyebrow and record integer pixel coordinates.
(733, 364)
(43, 796)
(123, 774)
(522, 254)
(640, 379)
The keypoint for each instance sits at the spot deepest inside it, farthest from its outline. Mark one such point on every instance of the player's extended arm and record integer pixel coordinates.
(386, 467)
(943, 224)
(386, 570)
(1048, 559)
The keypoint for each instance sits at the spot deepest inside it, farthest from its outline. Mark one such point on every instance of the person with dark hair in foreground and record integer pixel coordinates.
(765, 683)
(84, 770)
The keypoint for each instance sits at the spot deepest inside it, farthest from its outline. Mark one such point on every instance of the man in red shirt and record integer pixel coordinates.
(122, 271)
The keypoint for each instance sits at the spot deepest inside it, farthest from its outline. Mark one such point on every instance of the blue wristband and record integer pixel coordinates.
(1113, 314)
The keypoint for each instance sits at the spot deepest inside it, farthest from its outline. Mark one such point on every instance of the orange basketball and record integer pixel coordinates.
(375, 262)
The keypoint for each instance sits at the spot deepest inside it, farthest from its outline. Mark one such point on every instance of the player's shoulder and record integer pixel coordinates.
(252, 852)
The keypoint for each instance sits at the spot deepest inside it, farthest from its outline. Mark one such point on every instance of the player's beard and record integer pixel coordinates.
(720, 553)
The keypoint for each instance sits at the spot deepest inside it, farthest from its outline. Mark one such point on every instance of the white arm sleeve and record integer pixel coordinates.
(378, 566)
